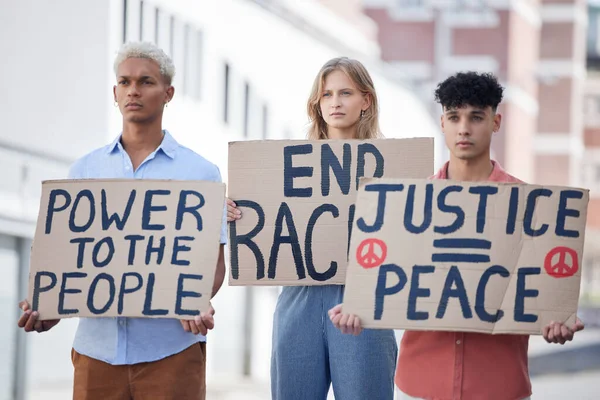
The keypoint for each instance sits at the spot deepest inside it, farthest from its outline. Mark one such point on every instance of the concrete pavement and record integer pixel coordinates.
(568, 372)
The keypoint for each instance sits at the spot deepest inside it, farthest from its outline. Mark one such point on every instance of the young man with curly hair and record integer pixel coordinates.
(464, 365)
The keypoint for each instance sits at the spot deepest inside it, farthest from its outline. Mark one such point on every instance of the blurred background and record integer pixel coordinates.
(244, 72)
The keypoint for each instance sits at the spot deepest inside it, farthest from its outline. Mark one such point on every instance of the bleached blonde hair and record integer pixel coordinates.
(150, 51)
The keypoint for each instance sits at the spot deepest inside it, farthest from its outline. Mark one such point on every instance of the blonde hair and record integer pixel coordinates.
(149, 51)
(368, 125)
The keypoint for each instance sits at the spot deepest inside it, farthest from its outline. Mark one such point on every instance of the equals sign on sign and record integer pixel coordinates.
(461, 244)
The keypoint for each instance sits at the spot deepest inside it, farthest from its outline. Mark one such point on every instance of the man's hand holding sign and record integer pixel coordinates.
(125, 248)
(480, 257)
(29, 321)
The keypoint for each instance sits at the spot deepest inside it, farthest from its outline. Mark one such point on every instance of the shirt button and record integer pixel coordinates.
(127, 168)
(123, 322)
(458, 342)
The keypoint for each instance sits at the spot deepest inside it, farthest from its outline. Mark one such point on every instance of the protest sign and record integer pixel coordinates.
(465, 256)
(131, 248)
(297, 200)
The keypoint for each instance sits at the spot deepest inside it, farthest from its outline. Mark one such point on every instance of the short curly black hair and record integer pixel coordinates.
(469, 89)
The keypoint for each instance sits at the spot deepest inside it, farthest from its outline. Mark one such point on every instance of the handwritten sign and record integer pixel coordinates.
(297, 200)
(458, 256)
(135, 248)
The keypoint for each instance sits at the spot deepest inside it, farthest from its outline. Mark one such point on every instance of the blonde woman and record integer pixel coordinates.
(309, 354)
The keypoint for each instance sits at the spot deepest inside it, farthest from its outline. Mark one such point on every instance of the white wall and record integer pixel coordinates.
(52, 72)
(51, 80)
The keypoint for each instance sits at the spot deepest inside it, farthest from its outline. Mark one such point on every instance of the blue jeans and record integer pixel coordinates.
(309, 353)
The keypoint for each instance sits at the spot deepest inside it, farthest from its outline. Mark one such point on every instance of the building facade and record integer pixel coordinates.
(537, 48)
(590, 170)
(244, 72)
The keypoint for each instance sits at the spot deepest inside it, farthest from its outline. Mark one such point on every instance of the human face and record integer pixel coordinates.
(468, 131)
(341, 104)
(141, 90)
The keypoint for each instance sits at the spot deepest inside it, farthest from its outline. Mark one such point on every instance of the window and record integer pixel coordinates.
(192, 63)
(591, 109)
(156, 24)
(179, 54)
(198, 47)
(148, 22)
(124, 21)
(226, 94)
(592, 32)
(186, 60)
(133, 16)
(184, 44)
(590, 171)
(141, 33)
(246, 108)
(162, 30)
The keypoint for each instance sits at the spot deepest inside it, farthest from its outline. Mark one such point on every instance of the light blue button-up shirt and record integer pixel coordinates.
(134, 340)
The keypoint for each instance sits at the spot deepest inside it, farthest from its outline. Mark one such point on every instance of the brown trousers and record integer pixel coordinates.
(181, 376)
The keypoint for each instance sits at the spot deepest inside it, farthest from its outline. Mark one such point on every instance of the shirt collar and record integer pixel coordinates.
(116, 144)
(168, 145)
(497, 172)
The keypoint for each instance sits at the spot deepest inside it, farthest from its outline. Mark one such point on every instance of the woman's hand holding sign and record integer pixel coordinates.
(29, 320)
(347, 323)
(233, 213)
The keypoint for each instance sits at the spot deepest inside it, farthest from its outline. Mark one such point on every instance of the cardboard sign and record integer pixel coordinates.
(460, 256)
(297, 202)
(131, 248)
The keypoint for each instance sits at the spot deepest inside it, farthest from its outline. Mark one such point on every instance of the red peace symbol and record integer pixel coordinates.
(367, 255)
(561, 269)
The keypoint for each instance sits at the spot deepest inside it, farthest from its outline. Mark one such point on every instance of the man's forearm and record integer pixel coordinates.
(219, 279)
(220, 272)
